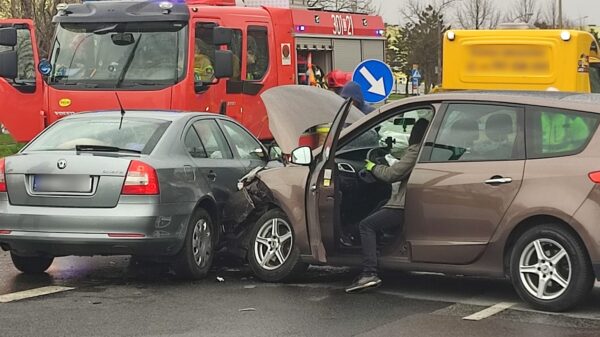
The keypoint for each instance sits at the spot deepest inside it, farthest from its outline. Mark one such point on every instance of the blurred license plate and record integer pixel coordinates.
(69, 183)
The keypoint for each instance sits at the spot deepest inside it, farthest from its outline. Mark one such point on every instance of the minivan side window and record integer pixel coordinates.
(554, 133)
(479, 132)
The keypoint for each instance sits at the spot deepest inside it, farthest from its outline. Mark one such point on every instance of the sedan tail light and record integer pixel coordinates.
(2, 176)
(141, 179)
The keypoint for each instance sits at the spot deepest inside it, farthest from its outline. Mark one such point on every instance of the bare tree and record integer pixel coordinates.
(549, 14)
(356, 6)
(477, 14)
(411, 9)
(525, 11)
(423, 31)
(41, 11)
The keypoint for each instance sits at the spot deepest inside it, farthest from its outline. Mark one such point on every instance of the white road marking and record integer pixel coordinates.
(487, 312)
(36, 292)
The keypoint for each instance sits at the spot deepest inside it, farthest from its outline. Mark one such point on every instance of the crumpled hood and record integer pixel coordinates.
(292, 109)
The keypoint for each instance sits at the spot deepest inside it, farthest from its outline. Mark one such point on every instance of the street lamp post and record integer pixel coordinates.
(560, 21)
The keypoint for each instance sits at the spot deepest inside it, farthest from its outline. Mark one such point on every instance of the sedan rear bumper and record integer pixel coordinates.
(139, 226)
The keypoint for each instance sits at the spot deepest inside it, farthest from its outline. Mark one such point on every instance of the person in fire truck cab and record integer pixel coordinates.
(82, 62)
(391, 214)
(256, 55)
(203, 67)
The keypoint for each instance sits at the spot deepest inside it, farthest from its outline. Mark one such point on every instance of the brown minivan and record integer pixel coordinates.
(506, 185)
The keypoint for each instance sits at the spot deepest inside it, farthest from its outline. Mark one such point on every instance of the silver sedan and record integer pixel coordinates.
(148, 184)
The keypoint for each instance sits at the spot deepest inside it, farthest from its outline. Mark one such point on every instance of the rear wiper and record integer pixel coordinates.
(102, 148)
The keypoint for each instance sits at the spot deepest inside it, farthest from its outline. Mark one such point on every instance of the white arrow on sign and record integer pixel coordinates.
(377, 86)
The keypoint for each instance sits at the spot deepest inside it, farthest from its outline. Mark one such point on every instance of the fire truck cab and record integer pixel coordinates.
(194, 55)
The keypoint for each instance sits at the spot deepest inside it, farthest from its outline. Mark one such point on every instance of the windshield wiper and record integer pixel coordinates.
(79, 84)
(128, 62)
(103, 148)
(140, 84)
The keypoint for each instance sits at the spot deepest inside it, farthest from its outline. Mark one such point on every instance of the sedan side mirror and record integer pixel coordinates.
(302, 156)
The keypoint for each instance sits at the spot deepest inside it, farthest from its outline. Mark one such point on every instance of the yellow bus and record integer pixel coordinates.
(520, 59)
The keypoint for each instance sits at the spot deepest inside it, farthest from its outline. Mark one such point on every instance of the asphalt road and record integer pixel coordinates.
(114, 296)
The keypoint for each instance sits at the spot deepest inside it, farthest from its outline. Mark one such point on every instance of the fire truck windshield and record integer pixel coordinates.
(118, 55)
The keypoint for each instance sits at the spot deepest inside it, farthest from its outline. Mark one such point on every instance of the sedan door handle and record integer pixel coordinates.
(212, 175)
(498, 180)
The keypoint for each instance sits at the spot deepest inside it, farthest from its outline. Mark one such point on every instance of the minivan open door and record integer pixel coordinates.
(321, 210)
(21, 86)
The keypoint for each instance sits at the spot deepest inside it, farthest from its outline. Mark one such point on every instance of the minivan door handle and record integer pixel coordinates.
(496, 180)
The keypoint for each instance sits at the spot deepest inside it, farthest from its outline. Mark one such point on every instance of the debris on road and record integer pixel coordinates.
(220, 279)
(247, 309)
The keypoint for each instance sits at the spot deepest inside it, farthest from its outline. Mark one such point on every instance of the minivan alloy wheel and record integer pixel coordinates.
(545, 269)
(273, 244)
(201, 242)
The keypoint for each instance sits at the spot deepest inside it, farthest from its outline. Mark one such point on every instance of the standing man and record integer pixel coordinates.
(392, 213)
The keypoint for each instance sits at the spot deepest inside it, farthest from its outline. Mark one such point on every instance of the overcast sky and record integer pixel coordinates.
(573, 9)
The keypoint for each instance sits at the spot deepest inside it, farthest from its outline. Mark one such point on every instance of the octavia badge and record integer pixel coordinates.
(61, 164)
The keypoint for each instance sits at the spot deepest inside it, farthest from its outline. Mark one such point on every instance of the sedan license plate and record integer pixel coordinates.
(62, 183)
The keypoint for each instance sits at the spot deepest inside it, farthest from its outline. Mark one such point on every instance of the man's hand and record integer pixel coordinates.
(369, 165)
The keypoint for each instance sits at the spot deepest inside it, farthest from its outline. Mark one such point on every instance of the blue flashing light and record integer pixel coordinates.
(301, 28)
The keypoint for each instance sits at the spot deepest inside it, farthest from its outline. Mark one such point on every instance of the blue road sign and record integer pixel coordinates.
(415, 73)
(375, 78)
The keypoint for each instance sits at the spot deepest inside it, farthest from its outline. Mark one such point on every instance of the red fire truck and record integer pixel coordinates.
(194, 55)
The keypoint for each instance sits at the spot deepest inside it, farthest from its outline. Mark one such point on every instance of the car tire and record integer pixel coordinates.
(31, 264)
(559, 278)
(272, 252)
(196, 256)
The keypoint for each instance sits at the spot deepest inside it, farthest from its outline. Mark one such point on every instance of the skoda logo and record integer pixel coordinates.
(61, 164)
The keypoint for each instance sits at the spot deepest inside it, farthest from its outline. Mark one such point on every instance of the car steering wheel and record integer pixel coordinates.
(377, 156)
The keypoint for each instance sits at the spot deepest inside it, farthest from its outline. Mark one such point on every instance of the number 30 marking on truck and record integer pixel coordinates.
(342, 25)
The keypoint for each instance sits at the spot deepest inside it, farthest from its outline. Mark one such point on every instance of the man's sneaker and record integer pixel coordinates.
(364, 281)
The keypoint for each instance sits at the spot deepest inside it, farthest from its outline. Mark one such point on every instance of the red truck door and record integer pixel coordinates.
(21, 85)
(258, 74)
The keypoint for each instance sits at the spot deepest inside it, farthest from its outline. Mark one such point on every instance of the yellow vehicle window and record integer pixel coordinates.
(595, 77)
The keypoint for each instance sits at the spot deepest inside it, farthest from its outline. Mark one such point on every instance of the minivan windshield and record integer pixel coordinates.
(114, 55)
(134, 135)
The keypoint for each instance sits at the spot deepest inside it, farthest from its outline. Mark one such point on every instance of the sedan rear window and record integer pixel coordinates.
(134, 135)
